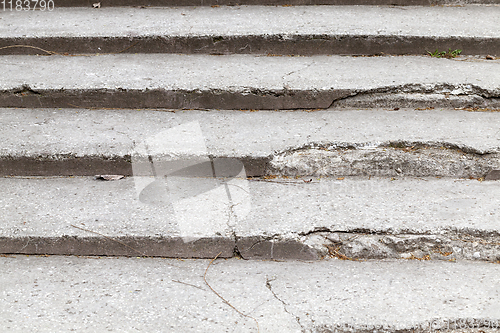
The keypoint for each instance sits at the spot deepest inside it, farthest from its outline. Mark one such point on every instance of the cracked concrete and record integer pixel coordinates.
(77, 293)
(243, 81)
(411, 159)
(52, 142)
(420, 96)
(297, 318)
(402, 218)
(445, 246)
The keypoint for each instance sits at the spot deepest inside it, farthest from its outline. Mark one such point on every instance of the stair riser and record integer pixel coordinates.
(273, 45)
(377, 164)
(355, 246)
(229, 100)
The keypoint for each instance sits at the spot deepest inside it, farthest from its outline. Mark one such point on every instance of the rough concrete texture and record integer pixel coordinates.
(47, 294)
(300, 30)
(160, 3)
(240, 81)
(53, 142)
(412, 160)
(256, 219)
(359, 246)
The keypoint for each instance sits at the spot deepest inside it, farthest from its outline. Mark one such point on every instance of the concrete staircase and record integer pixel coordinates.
(350, 155)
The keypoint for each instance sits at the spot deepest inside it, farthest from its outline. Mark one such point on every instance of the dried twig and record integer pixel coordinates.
(66, 54)
(188, 284)
(222, 298)
(111, 239)
(334, 251)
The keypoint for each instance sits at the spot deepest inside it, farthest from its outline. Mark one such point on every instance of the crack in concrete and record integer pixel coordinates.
(296, 71)
(446, 90)
(285, 306)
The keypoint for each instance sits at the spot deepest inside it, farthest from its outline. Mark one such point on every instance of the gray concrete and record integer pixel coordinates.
(373, 142)
(280, 218)
(240, 81)
(419, 161)
(62, 294)
(300, 30)
(109, 3)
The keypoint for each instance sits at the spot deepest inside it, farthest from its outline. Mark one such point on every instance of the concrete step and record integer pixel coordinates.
(302, 30)
(216, 3)
(46, 294)
(374, 142)
(247, 82)
(353, 218)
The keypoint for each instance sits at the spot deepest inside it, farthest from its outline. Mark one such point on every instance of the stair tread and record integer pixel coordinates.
(202, 216)
(90, 138)
(157, 295)
(465, 21)
(241, 81)
(303, 30)
(235, 133)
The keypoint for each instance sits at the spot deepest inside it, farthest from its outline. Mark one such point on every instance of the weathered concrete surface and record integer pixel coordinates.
(46, 294)
(53, 142)
(160, 3)
(257, 219)
(305, 30)
(407, 160)
(241, 81)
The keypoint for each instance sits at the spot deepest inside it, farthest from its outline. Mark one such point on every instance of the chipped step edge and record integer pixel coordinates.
(406, 96)
(472, 245)
(412, 160)
(273, 44)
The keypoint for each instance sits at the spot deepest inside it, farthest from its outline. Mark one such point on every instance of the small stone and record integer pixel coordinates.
(476, 255)
(96, 5)
(493, 175)
(489, 57)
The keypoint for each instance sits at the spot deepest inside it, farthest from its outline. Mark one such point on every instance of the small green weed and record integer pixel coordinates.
(445, 54)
